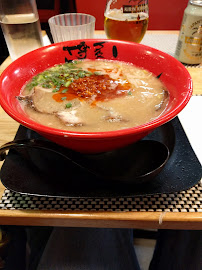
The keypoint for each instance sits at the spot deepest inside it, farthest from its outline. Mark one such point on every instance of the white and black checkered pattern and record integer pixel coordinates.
(185, 201)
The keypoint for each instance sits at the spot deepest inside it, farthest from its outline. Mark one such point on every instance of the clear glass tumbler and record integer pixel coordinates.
(20, 25)
(71, 26)
(126, 19)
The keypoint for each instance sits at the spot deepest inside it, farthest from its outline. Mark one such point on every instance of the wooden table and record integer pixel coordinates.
(163, 220)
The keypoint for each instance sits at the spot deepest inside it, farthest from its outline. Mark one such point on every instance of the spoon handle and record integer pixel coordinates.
(143, 166)
(74, 157)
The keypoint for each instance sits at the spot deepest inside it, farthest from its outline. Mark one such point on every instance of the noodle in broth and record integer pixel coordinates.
(94, 96)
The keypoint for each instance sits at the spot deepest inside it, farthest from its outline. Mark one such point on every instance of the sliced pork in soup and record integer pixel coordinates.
(94, 96)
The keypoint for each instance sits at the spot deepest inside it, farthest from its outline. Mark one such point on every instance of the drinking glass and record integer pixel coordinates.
(20, 25)
(126, 19)
(70, 26)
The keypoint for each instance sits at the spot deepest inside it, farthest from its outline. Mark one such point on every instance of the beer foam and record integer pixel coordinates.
(118, 15)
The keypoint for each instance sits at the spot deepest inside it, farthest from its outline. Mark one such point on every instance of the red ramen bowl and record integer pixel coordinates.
(174, 76)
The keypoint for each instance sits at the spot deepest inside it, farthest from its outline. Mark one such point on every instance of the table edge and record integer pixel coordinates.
(153, 220)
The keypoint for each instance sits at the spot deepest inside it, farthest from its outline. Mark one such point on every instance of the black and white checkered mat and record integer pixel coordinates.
(185, 201)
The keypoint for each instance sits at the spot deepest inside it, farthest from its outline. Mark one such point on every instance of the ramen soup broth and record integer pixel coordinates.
(94, 96)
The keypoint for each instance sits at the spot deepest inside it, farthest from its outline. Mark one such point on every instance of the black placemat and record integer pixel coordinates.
(37, 172)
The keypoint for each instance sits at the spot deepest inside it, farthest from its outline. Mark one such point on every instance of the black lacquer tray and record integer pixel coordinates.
(44, 173)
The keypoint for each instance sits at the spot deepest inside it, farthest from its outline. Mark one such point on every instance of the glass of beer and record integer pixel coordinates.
(126, 19)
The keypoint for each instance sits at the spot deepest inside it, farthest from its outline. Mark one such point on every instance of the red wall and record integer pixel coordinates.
(164, 14)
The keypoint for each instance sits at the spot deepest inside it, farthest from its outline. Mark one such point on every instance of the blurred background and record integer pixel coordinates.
(164, 15)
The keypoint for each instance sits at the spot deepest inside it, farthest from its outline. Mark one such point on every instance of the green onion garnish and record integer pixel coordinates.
(64, 91)
(67, 83)
(55, 90)
(68, 105)
(97, 73)
(59, 75)
(130, 93)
